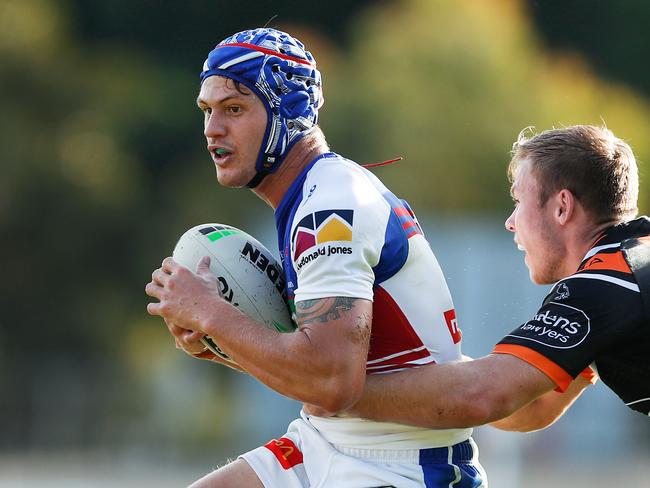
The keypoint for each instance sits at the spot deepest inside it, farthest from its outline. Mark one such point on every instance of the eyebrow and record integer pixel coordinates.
(200, 101)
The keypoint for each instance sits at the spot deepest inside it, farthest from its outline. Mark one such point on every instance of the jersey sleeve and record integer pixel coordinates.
(337, 234)
(582, 316)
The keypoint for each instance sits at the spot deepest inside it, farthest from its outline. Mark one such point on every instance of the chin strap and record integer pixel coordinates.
(256, 180)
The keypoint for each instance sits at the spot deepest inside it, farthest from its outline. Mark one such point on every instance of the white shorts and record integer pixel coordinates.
(303, 459)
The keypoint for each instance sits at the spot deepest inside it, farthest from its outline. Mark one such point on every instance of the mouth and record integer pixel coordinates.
(219, 154)
(519, 246)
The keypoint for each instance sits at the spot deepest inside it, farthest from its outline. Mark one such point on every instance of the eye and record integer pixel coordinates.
(234, 109)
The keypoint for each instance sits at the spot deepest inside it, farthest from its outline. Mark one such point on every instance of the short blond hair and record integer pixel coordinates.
(595, 165)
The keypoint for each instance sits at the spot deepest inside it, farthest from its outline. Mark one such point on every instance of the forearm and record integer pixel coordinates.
(318, 365)
(420, 398)
(543, 411)
(453, 395)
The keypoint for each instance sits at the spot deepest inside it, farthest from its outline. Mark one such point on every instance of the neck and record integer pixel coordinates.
(274, 186)
(585, 240)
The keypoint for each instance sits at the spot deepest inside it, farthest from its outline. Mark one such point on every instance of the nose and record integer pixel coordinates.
(510, 222)
(213, 126)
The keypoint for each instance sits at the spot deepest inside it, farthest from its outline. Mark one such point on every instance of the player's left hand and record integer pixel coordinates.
(184, 297)
(187, 341)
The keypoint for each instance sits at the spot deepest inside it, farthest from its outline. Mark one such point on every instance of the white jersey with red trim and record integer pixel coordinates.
(342, 233)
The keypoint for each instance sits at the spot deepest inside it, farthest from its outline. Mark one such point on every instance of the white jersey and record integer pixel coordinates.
(342, 233)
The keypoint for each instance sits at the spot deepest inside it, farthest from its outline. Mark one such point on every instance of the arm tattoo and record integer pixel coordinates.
(322, 309)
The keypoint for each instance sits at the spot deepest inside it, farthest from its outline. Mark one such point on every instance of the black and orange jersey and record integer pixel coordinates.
(598, 317)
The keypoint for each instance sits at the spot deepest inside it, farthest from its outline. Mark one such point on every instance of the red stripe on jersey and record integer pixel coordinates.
(401, 212)
(407, 225)
(285, 451)
(391, 331)
(402, 358)
(561, 378)
(395, 367)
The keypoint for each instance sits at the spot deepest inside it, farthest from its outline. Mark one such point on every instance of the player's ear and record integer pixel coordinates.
(565, 202)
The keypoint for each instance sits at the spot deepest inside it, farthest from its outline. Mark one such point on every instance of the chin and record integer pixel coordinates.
(547, 278)
(231, 181)
(540, 280)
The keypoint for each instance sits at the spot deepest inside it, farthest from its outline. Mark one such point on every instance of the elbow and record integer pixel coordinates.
(463, 410)
(487, 406)
(339, 393)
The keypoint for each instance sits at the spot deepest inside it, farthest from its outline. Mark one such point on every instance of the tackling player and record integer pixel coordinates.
(575, 191)
(352, 255)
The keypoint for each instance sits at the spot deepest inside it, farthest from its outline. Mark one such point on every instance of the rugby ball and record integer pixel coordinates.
(249, 276)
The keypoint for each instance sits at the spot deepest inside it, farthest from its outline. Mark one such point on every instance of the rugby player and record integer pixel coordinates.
(352, 254)
(575, 191)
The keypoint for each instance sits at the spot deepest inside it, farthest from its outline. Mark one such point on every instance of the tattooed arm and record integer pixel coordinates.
(322, 363)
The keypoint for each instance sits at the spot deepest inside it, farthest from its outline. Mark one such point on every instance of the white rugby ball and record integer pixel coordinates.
(249, 276)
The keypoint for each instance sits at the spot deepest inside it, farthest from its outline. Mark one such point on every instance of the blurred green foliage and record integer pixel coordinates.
(103, 166)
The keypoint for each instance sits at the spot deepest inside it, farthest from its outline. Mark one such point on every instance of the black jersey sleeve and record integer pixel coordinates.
(587, 313)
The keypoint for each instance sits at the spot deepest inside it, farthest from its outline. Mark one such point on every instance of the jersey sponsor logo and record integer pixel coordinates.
(452, 325)
(556, 325)
(562, 292)
(316, 229)
(322, 251)
(285, 451)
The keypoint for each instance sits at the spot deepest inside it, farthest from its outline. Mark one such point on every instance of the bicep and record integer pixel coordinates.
(337, 330)
(336, 321)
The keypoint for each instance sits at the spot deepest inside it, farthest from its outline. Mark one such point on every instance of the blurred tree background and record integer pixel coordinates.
(103, 164)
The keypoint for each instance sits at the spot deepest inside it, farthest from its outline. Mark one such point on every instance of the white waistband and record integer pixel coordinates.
(412, 456)
(406, 456)
(361, 434)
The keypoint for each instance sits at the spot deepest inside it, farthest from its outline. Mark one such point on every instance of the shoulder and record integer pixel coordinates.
(337, 184)
(605, 276)
(338, 178)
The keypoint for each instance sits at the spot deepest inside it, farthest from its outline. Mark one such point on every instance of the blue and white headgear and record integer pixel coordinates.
(278, 69)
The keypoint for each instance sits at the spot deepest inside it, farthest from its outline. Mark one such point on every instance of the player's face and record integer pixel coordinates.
(535, 230)
(234, 125)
